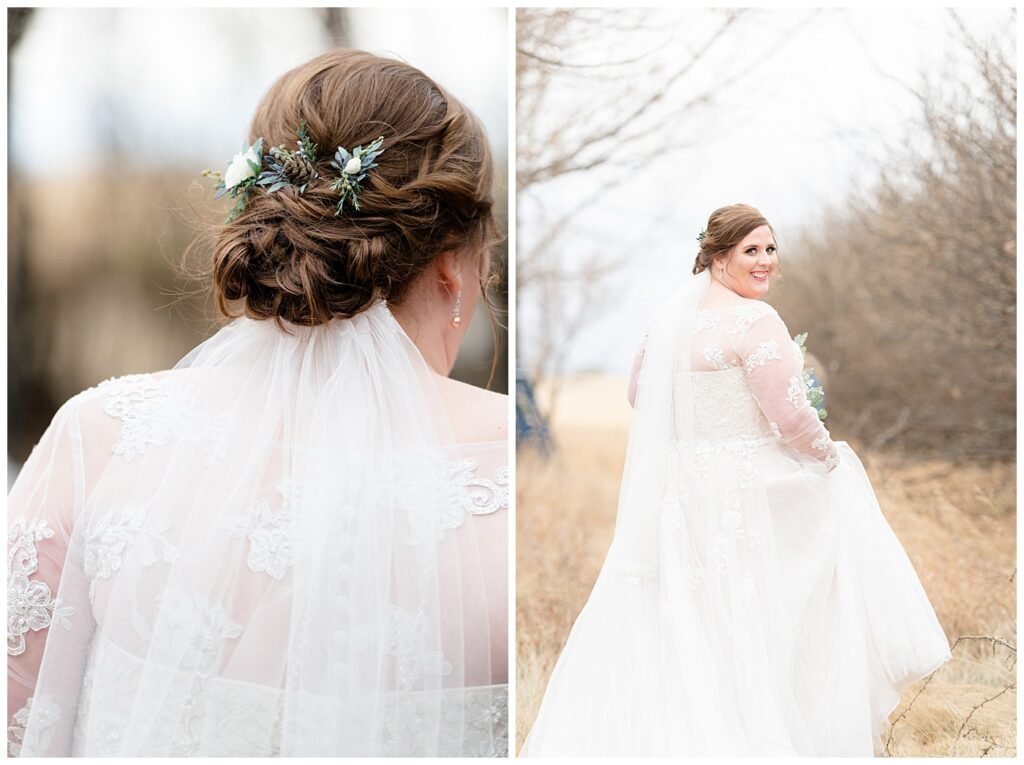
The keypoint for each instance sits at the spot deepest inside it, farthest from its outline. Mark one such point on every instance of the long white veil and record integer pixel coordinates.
(271, 555)
(659, 429)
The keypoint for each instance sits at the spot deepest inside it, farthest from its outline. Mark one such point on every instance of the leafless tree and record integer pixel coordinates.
(909, 290)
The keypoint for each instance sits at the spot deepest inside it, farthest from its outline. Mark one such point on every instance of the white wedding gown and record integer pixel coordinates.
(279, 547)
(783, 616)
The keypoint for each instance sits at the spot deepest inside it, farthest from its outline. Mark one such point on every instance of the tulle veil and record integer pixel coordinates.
(275, 548)
(658, 429)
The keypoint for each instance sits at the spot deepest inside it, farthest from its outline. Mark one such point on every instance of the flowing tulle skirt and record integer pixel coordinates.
(786, 618)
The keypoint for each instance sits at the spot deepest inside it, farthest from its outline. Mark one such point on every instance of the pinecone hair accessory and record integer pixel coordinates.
(353, 168)
(281, 167)
(291, 168)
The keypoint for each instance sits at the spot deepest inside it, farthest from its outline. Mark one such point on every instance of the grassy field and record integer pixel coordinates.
(956, 521)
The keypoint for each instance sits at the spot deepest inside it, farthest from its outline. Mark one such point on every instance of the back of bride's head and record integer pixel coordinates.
(288, 256)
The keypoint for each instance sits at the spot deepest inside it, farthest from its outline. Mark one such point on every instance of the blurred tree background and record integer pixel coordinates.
(110, 128)
(910, 288)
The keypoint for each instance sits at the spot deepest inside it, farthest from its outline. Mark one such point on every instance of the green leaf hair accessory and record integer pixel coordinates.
(240, 177)
(291, 168)
(703, 233)
(353, 168)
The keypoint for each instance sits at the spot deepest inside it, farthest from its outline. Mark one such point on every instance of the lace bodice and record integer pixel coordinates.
(722, 406)
(747, 381)
(81, 524)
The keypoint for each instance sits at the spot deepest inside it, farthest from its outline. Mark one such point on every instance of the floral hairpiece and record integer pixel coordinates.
(703, 233)
(297, 168)
(353, 168)
(294, 168)
(240, 177)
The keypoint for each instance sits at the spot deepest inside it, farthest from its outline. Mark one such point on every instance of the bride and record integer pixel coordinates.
(291, 543)
(754, 600)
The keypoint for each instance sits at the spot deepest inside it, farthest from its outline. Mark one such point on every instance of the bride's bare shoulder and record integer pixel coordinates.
(477, 415)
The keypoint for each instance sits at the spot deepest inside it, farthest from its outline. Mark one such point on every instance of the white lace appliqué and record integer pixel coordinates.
(832, 459)
(824, 443)
(16, 730)
(438, 495)
(30, 603)
(734, 526)
(765, 352)
(795, 393)
(471, 495)
(187, 619)
(407, 643)
(741, 451)
(44, 713)
(746, 315)
(271, 533)
(715, 356)
(733, 520)
(109, 536)
(153, 411)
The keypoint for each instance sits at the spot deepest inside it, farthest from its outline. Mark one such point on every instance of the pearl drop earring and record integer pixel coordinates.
(457, 310)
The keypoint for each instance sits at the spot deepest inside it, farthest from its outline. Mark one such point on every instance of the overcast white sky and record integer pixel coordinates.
(184, 82)
(795, 135)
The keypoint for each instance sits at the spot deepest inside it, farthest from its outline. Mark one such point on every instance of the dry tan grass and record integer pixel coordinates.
(956, 522)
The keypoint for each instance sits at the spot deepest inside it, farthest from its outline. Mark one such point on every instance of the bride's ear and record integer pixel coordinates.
(449, 273)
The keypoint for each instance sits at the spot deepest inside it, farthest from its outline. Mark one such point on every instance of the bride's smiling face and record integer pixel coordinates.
(747, 268)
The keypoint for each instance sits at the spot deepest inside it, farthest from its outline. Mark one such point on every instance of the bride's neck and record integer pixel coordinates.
(719, 293)
(428, 333)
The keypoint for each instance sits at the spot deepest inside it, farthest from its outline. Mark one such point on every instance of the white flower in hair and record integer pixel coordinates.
(245, 165)
(238, 181)
(353, 166)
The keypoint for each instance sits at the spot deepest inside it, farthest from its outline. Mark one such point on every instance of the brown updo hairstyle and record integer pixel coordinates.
(726, 228)
(287, 257)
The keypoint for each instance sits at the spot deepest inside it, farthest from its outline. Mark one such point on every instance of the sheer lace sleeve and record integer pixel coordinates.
(774, 369)
(42, 505)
